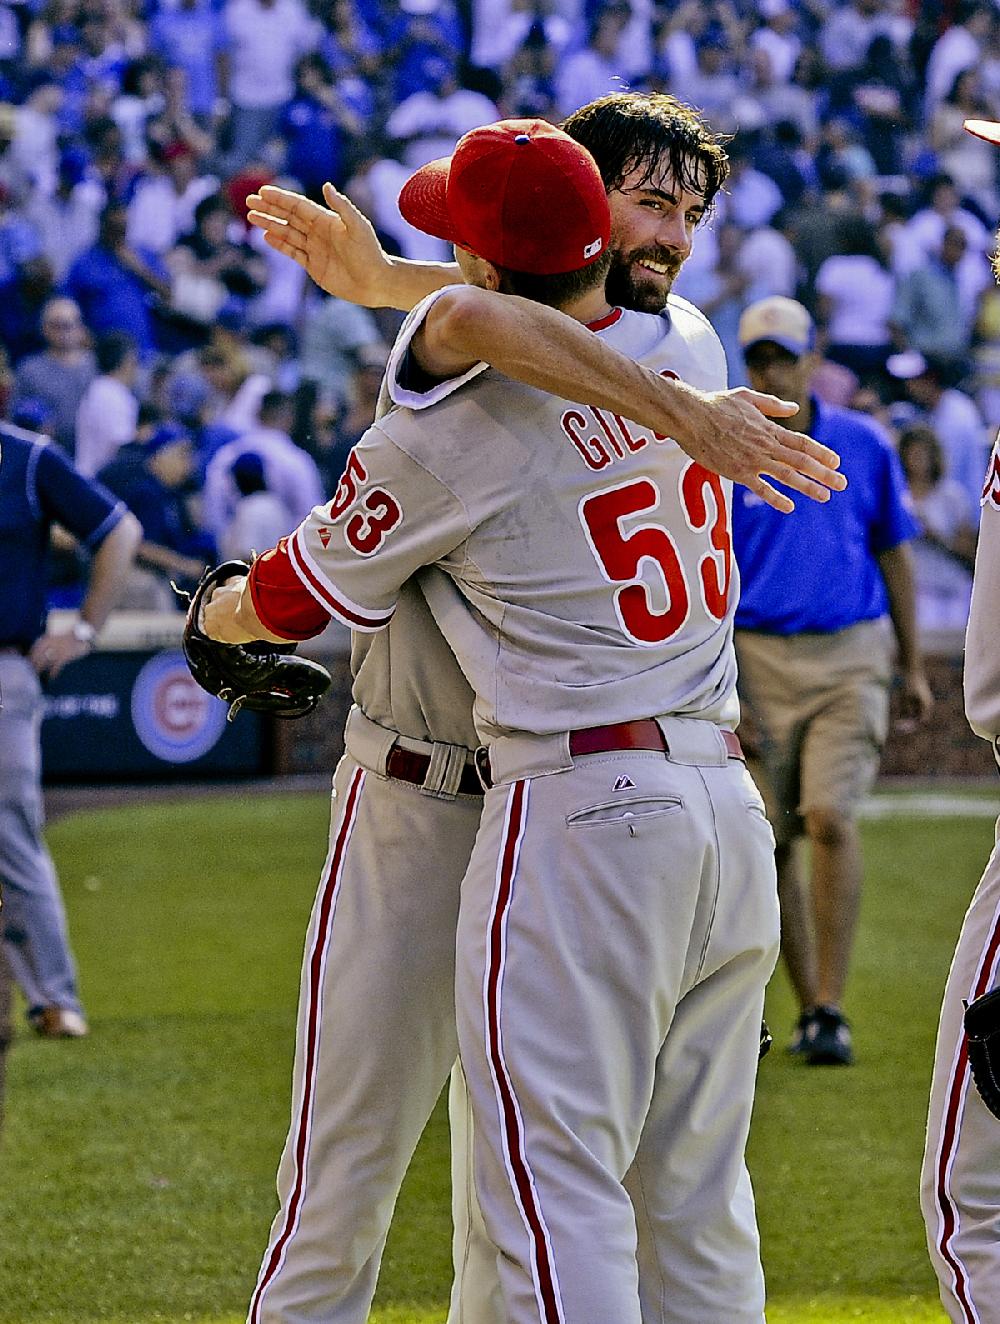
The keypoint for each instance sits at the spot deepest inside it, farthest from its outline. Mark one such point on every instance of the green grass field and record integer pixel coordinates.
(137, 1167)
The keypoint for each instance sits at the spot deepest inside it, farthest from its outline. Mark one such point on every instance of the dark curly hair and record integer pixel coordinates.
(636, 131)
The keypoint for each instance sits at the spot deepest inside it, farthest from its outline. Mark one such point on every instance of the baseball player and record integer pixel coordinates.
(960, 1181)
(603, 950)
(412, 728)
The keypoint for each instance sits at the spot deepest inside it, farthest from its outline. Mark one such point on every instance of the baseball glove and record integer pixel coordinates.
(982, 1025)
(262, 676)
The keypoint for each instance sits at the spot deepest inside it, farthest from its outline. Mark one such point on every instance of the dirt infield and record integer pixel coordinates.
(71, 799)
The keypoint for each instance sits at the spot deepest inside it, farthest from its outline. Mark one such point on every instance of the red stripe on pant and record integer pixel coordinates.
(545, 1276)
(950, 1132)
(301, 1123)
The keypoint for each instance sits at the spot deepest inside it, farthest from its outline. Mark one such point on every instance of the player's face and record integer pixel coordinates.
(652, 226)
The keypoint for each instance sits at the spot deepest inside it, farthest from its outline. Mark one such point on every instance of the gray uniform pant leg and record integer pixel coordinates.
(33, 915)
(589, 922)
(374, 1045)
(960, 1179)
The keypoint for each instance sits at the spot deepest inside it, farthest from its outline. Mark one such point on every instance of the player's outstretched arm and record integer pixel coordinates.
(729, 432)
(338, 247)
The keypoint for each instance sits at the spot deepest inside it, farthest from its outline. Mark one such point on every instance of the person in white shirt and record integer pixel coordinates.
(856, 292)
(289, 473)
(266, 38)
(958, 48)
(944, 552)
(778, 37)
(431, 121)
(954, 418)
(259, 519)
(592, 72)
(163, 206)
(926, 229)
(109, 411)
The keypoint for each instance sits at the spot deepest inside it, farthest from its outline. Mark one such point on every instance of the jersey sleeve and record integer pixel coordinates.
(982, 657)
(64, 495)
(349, 558)
(402, 391)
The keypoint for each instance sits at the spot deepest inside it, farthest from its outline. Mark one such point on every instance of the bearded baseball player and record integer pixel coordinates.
(607, 632)
(389, 954)
(960, 1188)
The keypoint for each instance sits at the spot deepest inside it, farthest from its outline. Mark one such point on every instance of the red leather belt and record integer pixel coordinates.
(642, 734)
(406, 765)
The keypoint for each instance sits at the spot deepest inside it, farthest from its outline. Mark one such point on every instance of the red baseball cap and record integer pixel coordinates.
(521, 194)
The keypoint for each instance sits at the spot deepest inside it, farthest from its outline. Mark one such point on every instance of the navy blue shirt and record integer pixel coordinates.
(817, 568)
(40, 487)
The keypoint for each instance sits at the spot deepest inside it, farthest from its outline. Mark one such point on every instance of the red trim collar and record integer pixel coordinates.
(609, 319)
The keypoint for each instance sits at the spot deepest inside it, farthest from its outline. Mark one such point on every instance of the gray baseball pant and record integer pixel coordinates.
(33, 916)
(619, 922)
(960, 1179)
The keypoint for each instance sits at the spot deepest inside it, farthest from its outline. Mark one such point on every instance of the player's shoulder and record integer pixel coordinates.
(687, 317)
(680, 339)
(30, 447)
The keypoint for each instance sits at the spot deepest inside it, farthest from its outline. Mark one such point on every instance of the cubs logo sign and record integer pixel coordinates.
(173, 716)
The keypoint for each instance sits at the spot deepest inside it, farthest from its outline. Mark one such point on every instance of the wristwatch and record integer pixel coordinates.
(84, 633)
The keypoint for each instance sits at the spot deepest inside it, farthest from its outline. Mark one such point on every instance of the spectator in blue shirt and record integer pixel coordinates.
(815, 650)
(192, 37)
(38, 488)
(152, 477)
(317, 127)
(117, 286)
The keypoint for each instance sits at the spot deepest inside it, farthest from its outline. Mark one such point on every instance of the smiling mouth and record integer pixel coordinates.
(658, 268)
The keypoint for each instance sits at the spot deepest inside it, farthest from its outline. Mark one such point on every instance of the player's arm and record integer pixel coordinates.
(110, 532)
(896, 565)
(729, 432)
(982, 657)
(349, 558)
(338, 247)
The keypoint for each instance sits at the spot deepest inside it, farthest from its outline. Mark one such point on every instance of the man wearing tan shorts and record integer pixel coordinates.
(826, 602)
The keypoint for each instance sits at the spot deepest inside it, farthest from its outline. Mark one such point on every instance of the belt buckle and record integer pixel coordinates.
(481, 762)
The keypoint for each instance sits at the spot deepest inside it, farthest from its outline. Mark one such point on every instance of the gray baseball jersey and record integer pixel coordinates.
(590, 563)
(612, 546)
(960, 1188)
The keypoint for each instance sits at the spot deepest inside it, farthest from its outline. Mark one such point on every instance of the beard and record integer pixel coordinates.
(629, 287)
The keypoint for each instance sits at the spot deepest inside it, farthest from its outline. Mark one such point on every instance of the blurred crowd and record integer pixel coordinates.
(156, 337)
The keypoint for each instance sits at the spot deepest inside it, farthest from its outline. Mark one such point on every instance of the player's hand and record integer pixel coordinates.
(219, 614)
(916, 699)
(337, 244)
(733, 434)
(52, 652)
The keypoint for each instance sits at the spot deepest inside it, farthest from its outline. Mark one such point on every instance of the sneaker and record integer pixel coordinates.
(58, 1023)
(766, 1041)
(797, 1044)
(827, 1039)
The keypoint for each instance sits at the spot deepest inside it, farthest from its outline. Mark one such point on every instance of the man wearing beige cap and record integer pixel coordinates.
(815, 651)
(960, 1187)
